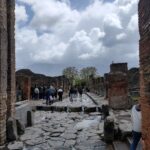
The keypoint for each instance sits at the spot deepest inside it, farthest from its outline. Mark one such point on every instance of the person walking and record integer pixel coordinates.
(136, 125)
(71, 94)
(60, 94)
(80, 90)
(36, 92)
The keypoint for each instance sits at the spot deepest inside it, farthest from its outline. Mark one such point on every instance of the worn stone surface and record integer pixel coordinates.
(15, 146)
(60, 131)
(144, 28)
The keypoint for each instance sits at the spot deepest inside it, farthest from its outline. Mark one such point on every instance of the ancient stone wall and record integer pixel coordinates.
(7, 65)
(25, 79)
(11, 90)
(144, 28)
(24, 85)
(106, 82)
(118, 67)
(3, 70)
(118, 86)
(96, 85)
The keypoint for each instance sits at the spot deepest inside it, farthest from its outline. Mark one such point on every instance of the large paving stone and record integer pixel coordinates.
(35, 141)
(15, 146)
(69, 143)
(55, 143)
(69, 136)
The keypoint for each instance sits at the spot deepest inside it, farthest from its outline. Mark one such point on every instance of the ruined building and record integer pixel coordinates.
(25, 79)
(7, 64)
(144, 28)
(118, 86)
(96, 85)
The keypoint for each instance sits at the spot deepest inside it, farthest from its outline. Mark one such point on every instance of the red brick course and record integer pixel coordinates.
(118, 86)
(144, 45)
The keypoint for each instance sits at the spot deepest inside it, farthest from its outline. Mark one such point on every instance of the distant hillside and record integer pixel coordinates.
(28, 72)
(39, 79)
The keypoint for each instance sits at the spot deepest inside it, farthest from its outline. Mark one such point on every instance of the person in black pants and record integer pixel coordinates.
(60, 94)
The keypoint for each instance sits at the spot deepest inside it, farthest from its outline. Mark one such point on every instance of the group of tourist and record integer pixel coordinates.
(50, 93)
(74, 91)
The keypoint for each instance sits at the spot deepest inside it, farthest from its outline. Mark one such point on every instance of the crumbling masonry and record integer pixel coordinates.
(118, 86)
(144, 28)
(7, 65)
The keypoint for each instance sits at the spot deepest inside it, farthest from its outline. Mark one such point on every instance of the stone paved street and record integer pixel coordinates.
(64, 130)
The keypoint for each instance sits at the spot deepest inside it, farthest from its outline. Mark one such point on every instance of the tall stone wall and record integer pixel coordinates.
(3, 69)
(144, 45)
(7, 64)
(118, 86)
(11, 90)
(96, 85)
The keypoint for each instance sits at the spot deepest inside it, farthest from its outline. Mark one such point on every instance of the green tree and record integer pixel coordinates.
(88, 72)
(71, 73)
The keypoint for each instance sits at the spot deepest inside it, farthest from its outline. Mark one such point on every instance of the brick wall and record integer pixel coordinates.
(96, 85)
(24, 82)
(11, 90)
(3, 70)
(7, 64)
(118, 86)
(144, 45)
(119, 67)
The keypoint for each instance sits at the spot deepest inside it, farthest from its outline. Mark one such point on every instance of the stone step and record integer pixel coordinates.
(118, 145)
(68, 109)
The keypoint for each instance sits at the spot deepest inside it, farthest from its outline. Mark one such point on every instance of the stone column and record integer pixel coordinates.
(118, 86)
(26, 88)
(11, 86)
(144, 27)
(3, 70)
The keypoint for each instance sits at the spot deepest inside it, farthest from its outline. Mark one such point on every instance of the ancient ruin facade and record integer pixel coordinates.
(23, 88)
(144, 28)
(27, 80)
(7, 65)
(96, 85)
(118, 86)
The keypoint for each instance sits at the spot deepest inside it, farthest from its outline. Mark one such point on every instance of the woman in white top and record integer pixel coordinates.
(136, 125)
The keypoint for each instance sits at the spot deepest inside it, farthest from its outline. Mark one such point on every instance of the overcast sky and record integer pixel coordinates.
(52, 34)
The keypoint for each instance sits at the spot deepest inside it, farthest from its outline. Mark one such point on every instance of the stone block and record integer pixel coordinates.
(11, 129)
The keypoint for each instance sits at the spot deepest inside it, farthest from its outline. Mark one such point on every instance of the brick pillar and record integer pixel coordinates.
(11, 86)
(144, 27)
(26, 88)
(118, 86)
(3, 70)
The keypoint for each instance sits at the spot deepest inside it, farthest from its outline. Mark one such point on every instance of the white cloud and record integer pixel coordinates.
(133, 26)
(94, 36)
(121, 36)
(21, 14)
